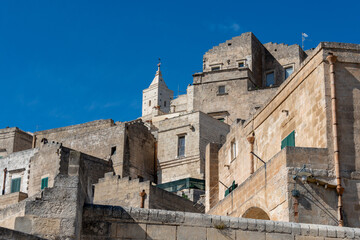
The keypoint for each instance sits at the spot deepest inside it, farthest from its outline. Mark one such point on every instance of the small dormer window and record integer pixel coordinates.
(241, 64)
(215, 68)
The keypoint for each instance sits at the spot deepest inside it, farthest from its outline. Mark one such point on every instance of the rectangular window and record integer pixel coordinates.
(289, 141)
(270, 79)
(215, 68)
(181, 146)
(221, 90)
(288, 71)
(241, 64)
(113, 150)
(15, 185)
(44, 183)
(233, 150)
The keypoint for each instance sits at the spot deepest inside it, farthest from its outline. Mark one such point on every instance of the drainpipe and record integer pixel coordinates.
(142, 195)
(339, 189)
(3, 190)
(251, 140)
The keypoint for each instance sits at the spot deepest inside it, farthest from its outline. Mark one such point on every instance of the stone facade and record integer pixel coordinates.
(198, 129)
(14, 140)
(277, 160)
(104, 222)
(130, 145)
(116, 191)
(233, 82)
(301, 106)
(14, 166)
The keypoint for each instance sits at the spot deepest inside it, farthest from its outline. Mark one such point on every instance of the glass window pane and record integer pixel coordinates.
(288, 71)
(270, 79)
(181, 146)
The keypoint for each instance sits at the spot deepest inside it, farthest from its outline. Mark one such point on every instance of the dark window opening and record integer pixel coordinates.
(288, 71)
(215, 68)
(113, 151)
(164, 103)
(149, 103)
(241, 64)
(221, 119)
(270, 79)
(221, 90)
(181, 146)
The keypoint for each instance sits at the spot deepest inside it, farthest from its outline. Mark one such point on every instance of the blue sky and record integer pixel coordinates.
(69, 62)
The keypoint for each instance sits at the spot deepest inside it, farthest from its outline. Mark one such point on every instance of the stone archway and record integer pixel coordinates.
(256, 213)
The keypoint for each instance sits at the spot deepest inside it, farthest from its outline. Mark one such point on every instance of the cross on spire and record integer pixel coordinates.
(159, 64)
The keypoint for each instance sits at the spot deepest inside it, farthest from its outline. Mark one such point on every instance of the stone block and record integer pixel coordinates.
(322, 231)
(248, 235)
(23, 224)
(179, 217)
(243, 223)
(131, 231)
(308, 238)
(269, 226)
(349, 233)
(194, 233)
(161, 232)
(296, 228)
(260, 225)
(234, 223)
(252, 224)
(279, 236)
(314, 230)
(220, 234)
(305, 229)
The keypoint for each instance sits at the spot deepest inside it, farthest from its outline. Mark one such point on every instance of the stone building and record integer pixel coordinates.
(239, 76)
(129, 145)
(14, 140)
(297, 159)
(263, 124)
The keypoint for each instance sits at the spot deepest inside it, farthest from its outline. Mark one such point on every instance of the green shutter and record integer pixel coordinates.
(15, 185)
(44, 183)
(289, 141)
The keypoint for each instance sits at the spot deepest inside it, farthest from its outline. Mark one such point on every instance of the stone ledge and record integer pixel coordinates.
(176, 218)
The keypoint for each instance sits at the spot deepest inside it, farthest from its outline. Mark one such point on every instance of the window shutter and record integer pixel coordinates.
(44, 183)
(289, 140)
(15, 185)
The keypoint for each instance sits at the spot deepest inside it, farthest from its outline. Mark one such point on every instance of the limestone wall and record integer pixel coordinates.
(116, 191)
(12, 198)
(17, 165)
(198, 129)
(14, 140)
(104, 222)
(8, 234)
(130, 146)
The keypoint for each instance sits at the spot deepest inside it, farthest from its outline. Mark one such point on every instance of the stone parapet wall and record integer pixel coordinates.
(8, 234)
(11, 198)
(104, 222)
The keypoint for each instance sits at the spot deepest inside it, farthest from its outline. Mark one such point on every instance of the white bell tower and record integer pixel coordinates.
(157, 95)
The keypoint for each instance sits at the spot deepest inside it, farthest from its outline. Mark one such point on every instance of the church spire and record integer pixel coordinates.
(158, 79)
